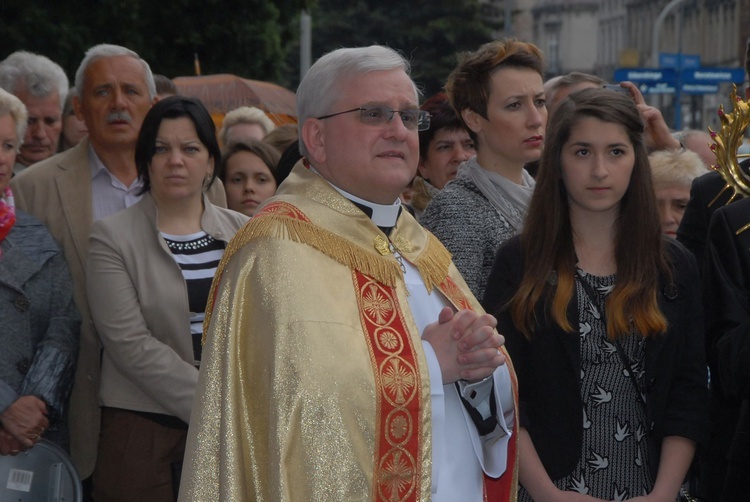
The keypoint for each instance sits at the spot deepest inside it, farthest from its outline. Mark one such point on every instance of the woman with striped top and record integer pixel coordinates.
(149, 272)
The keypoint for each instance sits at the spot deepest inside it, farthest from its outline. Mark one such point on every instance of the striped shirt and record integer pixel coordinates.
(198, 256)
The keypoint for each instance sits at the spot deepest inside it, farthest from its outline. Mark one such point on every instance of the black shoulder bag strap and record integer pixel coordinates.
(620, 351)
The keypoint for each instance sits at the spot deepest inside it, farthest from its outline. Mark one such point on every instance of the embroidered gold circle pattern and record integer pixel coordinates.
(398, 387)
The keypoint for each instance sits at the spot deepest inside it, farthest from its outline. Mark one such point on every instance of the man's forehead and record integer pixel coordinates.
(110, 69)
(34, 103)
(383, 93)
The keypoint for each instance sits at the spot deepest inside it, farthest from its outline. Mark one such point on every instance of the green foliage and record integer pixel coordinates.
(230, 36)
(256, 39)
(428, 32)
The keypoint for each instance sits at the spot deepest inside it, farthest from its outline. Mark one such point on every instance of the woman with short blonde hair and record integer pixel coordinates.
(673, 172)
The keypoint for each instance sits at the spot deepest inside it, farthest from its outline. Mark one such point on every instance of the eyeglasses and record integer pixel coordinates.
(415, 119)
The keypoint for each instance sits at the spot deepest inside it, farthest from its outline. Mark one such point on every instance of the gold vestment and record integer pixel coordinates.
(314, 384)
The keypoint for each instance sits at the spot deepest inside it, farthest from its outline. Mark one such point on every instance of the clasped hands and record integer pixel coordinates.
(22, 425)
(466, 345)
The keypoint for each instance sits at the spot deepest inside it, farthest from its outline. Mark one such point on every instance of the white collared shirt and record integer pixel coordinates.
(109, 195)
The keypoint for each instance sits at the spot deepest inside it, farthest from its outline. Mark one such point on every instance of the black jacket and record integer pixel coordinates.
(727, 306)
(548, 366)
(694, 225)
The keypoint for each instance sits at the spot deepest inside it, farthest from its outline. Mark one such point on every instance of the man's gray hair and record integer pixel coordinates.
(11, 105)
(38, 75)
(322, 85)
(106, 51)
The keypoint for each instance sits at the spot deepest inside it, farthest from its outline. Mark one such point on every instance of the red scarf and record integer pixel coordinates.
(7, 214)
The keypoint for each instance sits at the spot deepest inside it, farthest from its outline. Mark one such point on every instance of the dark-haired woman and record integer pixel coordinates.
(442, 149)
(149, 272)
(602, 318)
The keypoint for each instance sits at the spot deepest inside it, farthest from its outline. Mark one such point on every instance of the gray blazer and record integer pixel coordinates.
(39, 323)
(139, 303)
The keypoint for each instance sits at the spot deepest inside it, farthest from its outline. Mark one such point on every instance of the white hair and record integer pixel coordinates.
(11, 105)
(106, 51)
(676, 166)
(35, 74)
(321, 86)
(245, 115)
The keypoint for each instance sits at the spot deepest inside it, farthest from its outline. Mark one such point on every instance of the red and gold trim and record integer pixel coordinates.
(454, 294)
(398, 453)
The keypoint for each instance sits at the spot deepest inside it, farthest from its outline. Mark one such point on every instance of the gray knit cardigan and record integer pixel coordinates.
(469, 227)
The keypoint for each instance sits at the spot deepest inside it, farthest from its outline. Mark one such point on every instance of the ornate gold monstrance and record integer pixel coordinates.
(726, 142)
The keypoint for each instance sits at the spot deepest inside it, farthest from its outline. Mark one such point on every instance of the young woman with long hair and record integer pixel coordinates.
(602, 318)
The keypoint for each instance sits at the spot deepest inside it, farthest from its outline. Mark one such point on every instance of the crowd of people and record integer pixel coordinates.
(519, 290)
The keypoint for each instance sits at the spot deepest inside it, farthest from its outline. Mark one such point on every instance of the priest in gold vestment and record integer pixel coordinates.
(345, 359)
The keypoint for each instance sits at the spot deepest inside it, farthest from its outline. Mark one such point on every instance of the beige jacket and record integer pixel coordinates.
(58, 192)
(139, 303)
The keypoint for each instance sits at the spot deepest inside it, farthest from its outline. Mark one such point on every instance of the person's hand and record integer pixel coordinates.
(651, 498)
(479, 349)
(554, 494)
(657, 135)
(25, 420)
(562, 496)
(465, 344)
(10, 445)
(635, 93)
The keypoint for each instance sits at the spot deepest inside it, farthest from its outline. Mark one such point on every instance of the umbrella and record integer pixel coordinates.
(224, 92)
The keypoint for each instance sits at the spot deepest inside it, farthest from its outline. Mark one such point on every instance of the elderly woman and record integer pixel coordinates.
(673, 172)
(39, 322)
(150, 268)
(243, 123)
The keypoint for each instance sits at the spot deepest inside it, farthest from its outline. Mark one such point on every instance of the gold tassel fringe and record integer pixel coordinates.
(433, 263)
(332, 245)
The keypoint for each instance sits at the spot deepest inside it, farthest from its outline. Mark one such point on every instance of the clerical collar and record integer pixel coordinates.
(384, 216)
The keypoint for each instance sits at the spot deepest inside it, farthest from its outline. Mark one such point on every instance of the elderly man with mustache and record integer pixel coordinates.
(69, 191)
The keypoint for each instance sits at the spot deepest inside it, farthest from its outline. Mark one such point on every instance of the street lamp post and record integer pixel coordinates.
(657, 30)
(305, 47)
(508, 17)
(655, 58)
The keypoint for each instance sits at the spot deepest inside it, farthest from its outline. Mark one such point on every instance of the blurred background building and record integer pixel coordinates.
(600, 36)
